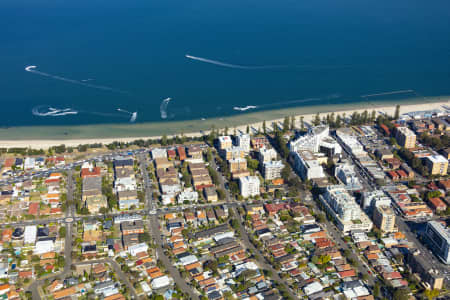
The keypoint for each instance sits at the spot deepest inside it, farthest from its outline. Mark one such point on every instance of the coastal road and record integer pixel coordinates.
(153, 226)
(431, 259)
(181, 283)
(67, 265)
(246, 239)
(260, 257)
(33, 288)
(143, 163)
(117, 270)
(336, 237)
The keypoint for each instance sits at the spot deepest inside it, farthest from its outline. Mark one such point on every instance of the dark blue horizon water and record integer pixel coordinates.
(333, 52)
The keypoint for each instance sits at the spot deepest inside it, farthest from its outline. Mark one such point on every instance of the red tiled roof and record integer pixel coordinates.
(393, 174)
(437, 203)
(274, 208)
(9, 162)
(25, 274)
(349, 273)
(56, 210)
(50, 180)
(402, 174)
(86, 172)
(392, 275)
(171, 153)
(445, 184)
(33, 208)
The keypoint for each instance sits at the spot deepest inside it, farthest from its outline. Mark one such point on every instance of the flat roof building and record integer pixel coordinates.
(384, 218)
(347, 175)
(29, 236)
(438, 237)
(405, 137)
(307, 165)
(225, 142)
(249, 186)
(437, 165)
(343, 207)
(272, 169)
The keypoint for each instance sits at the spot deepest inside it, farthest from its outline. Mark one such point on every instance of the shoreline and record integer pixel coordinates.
(32, 137)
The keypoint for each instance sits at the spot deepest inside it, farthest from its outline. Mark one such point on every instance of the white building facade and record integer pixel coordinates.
(344, 209)
(307, 165)
(249, 186)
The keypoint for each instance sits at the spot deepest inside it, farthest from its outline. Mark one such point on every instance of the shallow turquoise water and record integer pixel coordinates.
(277, 54)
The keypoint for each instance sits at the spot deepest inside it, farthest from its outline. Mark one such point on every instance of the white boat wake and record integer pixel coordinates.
(32, 69)
(389, 93)
(48, 111)
(163, 107)
(245, 107)
(227, 65)
(132, 114)
(290, 102)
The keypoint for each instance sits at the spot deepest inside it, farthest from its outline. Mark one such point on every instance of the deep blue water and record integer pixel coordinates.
(332, 51)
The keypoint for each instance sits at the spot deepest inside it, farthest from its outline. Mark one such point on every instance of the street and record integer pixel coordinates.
(246, 239)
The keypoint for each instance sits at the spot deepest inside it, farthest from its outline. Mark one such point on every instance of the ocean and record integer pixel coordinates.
(116, 62)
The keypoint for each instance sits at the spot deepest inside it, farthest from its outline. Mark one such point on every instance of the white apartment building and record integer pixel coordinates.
(350, 142)
(188, 195)
(29, 163)
(346, 174)
(232, 153)
(125, 184)
(310, 141)
(344, 209)
(272, 169)
(243, 141)
(266, 155)
(374, 199)
(249, 186)
(29, 235)
(225, 142)
(159, 153)
(307, 165)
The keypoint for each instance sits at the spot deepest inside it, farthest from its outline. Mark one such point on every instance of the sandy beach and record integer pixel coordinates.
(199, 126)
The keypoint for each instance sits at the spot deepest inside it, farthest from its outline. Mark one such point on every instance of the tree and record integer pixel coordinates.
(397, 112)
(372, 116)
(60, 261)
(62, 232)
(221, 194)
(324, 259)
(164, 140)
(144, 237)
(433, 194)
(302, 123)
(431, 294)
(292, 123)
(338, 122)
(252, 164)
(278, 194)
(401, 294)
(285, 173)
(264, 127)
(225, 132)
(377, 290)
(247, 130)
(316, 120)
